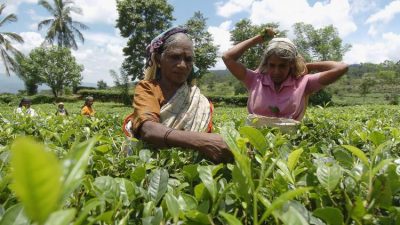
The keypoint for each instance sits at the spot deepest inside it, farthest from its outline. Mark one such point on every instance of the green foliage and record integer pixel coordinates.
(106, 95)
(7, 50)
(53, 66)
(244, 30)
(62, 28)
(319, 44)
(320, 98)
(205, 51)
(140, 21)
(101, 85)
(122, 84)
(365, 86)
(340, 167)
(37, 178)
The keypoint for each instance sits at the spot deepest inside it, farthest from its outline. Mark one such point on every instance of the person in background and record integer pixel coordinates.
(87, 108)
(24, 108)
(61, 111)
(169, 110)
(281, 84)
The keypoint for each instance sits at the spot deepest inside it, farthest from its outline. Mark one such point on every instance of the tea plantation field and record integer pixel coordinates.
(341, 166)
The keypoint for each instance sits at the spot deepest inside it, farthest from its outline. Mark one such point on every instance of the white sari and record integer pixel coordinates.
(187, 110)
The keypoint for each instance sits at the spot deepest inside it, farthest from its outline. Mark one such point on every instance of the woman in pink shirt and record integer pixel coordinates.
(280, 86)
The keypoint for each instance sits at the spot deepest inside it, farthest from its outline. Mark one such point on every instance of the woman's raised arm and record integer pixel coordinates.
(330, 70)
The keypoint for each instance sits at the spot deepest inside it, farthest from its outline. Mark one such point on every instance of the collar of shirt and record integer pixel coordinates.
(266, 80)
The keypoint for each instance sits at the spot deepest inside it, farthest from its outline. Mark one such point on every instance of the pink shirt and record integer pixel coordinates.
(290, 101)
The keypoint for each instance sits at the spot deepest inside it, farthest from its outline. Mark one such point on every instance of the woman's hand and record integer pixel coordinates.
(267, 34)
(214, 148)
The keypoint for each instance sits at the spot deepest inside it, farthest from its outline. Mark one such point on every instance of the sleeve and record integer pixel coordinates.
(251, 76)
(85, 111)
(146, 106)
(313, 84)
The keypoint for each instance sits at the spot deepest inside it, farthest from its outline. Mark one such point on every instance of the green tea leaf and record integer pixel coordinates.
(255, 137)
(106, 188)
(127, 190)
(14, 216)
(88, 206)
(293, 216)
(357, 152)
(172, 205)
(330, 215)
(282, 199)
(75, 164)
(205, 173)
(62, 217)
(293, 158)
(329, 176)
(37, 178)
(231, 219)
(380, 165)
(377, 137)
(158, 185)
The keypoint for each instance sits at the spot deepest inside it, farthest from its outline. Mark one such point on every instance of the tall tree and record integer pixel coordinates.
(244, 30)
(62, 29)
(121, 82)
(28, 73)
(56, 67)
(7, 51)
(205, 51)
(319, 44)
(140, 21)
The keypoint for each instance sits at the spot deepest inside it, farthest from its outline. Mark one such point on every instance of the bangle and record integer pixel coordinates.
(166, 137)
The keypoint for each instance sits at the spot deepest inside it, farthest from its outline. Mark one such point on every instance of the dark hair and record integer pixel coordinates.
(24, 100)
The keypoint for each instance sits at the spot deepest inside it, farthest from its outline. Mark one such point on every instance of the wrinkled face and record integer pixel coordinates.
(279, 69)
(176, 61)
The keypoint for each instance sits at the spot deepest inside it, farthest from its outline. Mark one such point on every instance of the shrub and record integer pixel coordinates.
(321, 98)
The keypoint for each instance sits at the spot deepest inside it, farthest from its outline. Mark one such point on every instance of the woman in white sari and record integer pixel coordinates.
(169, 110)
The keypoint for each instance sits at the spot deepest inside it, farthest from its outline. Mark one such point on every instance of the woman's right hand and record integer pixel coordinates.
(267, 34)
(214, 148)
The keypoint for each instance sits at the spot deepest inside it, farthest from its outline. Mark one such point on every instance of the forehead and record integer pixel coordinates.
(274, 59)
(180, 45)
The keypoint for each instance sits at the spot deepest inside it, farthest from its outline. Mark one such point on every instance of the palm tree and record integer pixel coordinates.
(62, 29)
(6, 49)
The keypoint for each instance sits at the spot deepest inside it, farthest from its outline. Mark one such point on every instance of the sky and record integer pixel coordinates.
(372, 27)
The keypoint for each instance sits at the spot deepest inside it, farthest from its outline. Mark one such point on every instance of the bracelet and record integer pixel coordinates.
(166, 137)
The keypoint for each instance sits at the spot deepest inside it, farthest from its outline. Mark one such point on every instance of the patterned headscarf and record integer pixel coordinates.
(157, 44)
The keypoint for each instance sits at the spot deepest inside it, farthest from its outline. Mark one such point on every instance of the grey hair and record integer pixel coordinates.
(284, 49)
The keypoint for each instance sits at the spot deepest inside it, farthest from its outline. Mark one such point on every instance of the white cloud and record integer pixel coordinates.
(31, 41)
(12, 5)
(232, 7)
(362, 6)
(221, 38)
(375, 52)
(385, 15)
(100, 53)
(95, 11)
(288, 12)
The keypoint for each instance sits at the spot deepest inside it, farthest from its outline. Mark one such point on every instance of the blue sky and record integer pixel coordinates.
(372, 27)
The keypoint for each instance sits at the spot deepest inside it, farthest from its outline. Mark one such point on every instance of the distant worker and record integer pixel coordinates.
(87, 109)
(24, 108)
(279, 88)
(61, 111)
